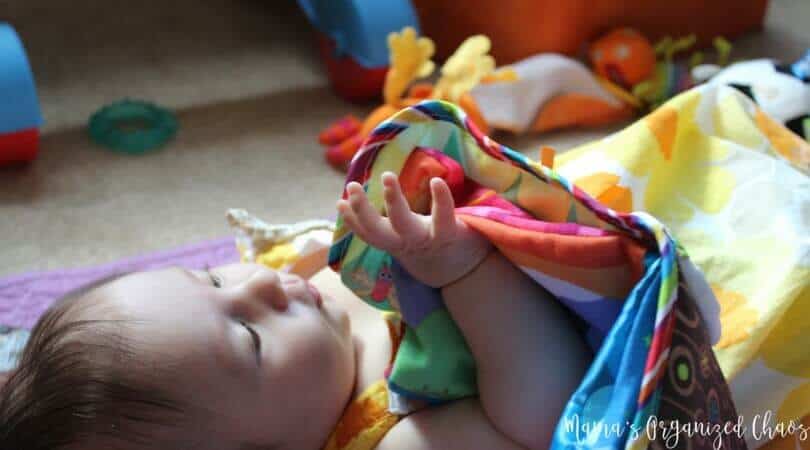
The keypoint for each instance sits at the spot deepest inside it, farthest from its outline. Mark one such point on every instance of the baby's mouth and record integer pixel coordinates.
(315, 294)
(300, 289)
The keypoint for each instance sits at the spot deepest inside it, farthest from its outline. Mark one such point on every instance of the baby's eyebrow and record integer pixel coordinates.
(188, 273)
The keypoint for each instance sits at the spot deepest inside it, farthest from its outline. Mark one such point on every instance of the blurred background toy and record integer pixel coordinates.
(551, 91)
(357, 28)
(132, 126)
(669, 77)
(623, 56)
(537, 94)
(410, 61)
(648, 75)
(351, 36)
(628, 76)
(20, 116)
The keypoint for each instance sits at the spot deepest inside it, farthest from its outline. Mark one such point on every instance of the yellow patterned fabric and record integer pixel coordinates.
(365, 422)
(731, 185)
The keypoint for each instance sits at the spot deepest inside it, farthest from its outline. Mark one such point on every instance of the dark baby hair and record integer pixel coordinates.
(79, 385)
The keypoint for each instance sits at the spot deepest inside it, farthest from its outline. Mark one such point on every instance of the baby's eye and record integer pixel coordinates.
(257, 341)
(216, 280)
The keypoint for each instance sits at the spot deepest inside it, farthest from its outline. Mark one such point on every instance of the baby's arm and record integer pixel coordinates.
(529, 357)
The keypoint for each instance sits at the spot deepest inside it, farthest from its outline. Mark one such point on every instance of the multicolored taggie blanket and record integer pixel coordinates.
(728, 183)
(622, 273)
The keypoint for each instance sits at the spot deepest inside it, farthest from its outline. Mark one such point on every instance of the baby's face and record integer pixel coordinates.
(271, 357)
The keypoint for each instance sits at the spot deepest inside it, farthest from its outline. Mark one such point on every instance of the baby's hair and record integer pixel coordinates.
(79, 385)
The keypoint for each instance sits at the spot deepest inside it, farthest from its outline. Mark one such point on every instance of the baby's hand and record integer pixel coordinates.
(436, 250)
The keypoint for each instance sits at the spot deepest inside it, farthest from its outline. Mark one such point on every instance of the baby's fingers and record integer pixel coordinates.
(370, 225)
(350, 219)
(442, 211)
(402, 219)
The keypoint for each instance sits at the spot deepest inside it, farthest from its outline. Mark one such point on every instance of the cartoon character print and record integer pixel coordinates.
(384, 284)
(378, 290)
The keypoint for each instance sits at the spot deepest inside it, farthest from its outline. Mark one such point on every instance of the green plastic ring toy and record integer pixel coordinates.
(132, 126)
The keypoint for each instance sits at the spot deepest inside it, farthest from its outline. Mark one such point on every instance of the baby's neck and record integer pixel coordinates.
(359, 360)
(372, 353)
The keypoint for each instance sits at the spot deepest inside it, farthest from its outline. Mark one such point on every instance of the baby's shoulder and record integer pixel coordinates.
(460, 424)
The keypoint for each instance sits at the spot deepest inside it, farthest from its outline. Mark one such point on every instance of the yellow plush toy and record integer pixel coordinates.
(468, 67)
(465, 69)
(410, 59)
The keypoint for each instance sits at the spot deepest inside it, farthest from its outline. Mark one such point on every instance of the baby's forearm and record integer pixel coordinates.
(529, 356)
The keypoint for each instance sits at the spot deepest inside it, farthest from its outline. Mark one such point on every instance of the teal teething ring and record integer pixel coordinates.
(132, 126)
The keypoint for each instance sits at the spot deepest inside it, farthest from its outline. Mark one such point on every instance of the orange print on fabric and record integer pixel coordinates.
(605, 187)
(736, 316)
(364, 422)
(789, 145)
(664, 123)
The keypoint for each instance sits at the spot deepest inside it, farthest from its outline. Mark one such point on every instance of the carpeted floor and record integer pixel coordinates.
(251, 96)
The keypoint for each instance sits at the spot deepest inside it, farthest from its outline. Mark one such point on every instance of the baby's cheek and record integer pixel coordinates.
(324, 375)
(334, 359)
(318, 351)
(332, 355)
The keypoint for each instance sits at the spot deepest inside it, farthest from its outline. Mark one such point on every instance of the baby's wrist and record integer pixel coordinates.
(473, 264)
(468, 251)
(438, 271)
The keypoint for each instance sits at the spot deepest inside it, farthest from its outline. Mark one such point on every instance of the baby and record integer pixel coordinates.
(243, 357)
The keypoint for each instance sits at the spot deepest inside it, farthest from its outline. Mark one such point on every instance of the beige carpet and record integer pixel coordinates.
(251, 97)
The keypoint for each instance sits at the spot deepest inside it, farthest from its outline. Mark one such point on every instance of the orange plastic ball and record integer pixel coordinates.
(623, 56)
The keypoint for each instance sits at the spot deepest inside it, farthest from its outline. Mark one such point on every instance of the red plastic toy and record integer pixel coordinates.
(351, 80)
(19, 147)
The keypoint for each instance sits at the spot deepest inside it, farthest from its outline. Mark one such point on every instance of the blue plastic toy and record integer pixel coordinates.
(20, 116)
(353, 39)
(360, 27)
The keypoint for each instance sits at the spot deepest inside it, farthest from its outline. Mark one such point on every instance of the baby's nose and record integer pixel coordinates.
(263, 287)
